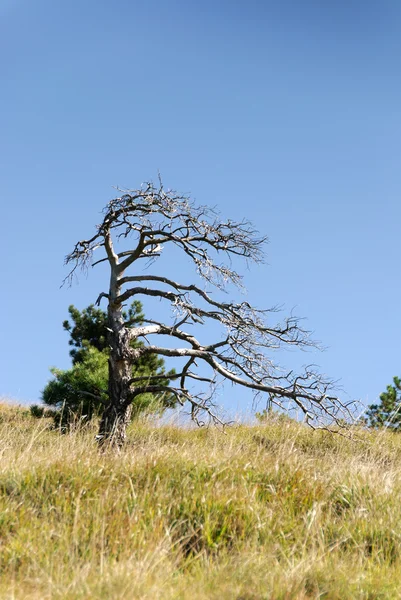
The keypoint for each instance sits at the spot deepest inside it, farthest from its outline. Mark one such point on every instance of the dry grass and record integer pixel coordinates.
(269, 512)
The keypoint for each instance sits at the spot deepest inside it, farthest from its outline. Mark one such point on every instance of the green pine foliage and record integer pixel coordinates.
(80, 393)
(388, 412)
(89, 327)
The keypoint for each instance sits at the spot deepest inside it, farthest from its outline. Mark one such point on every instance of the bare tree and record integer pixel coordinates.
(157, 219)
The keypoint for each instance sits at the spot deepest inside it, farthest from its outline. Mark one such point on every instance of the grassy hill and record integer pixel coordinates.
(269, 512)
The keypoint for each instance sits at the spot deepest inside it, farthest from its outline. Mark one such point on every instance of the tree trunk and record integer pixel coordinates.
(113, 425)
(117, 414)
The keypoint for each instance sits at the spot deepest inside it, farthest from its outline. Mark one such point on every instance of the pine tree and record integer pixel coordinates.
(80, 393)
(388, 412)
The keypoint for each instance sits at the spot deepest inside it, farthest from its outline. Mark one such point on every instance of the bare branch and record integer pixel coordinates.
(99, 298)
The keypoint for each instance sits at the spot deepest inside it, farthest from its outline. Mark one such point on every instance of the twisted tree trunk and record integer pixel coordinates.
(117, 413)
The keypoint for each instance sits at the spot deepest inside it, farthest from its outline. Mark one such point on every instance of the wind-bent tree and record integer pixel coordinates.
(153, 220)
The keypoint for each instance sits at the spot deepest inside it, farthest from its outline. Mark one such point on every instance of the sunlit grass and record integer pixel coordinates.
(274, 511)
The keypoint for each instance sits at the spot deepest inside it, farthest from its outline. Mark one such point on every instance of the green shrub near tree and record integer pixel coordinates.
(388, 412)
(79, 393)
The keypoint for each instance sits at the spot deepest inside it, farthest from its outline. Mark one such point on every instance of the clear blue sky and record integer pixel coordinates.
(287, 113)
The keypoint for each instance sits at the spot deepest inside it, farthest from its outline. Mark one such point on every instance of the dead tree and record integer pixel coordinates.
(154, 219)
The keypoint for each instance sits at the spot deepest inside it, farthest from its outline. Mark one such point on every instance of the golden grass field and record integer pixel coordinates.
(275, 511)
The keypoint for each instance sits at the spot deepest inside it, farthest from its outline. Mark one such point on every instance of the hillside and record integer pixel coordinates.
(274, 511)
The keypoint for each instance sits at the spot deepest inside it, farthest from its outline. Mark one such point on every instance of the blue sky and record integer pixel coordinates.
(286, 113)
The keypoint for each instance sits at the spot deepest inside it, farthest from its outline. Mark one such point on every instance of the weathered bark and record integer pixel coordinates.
(117, 413)
(113, 425)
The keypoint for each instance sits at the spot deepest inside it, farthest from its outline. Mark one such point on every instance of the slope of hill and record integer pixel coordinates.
(274, 511)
